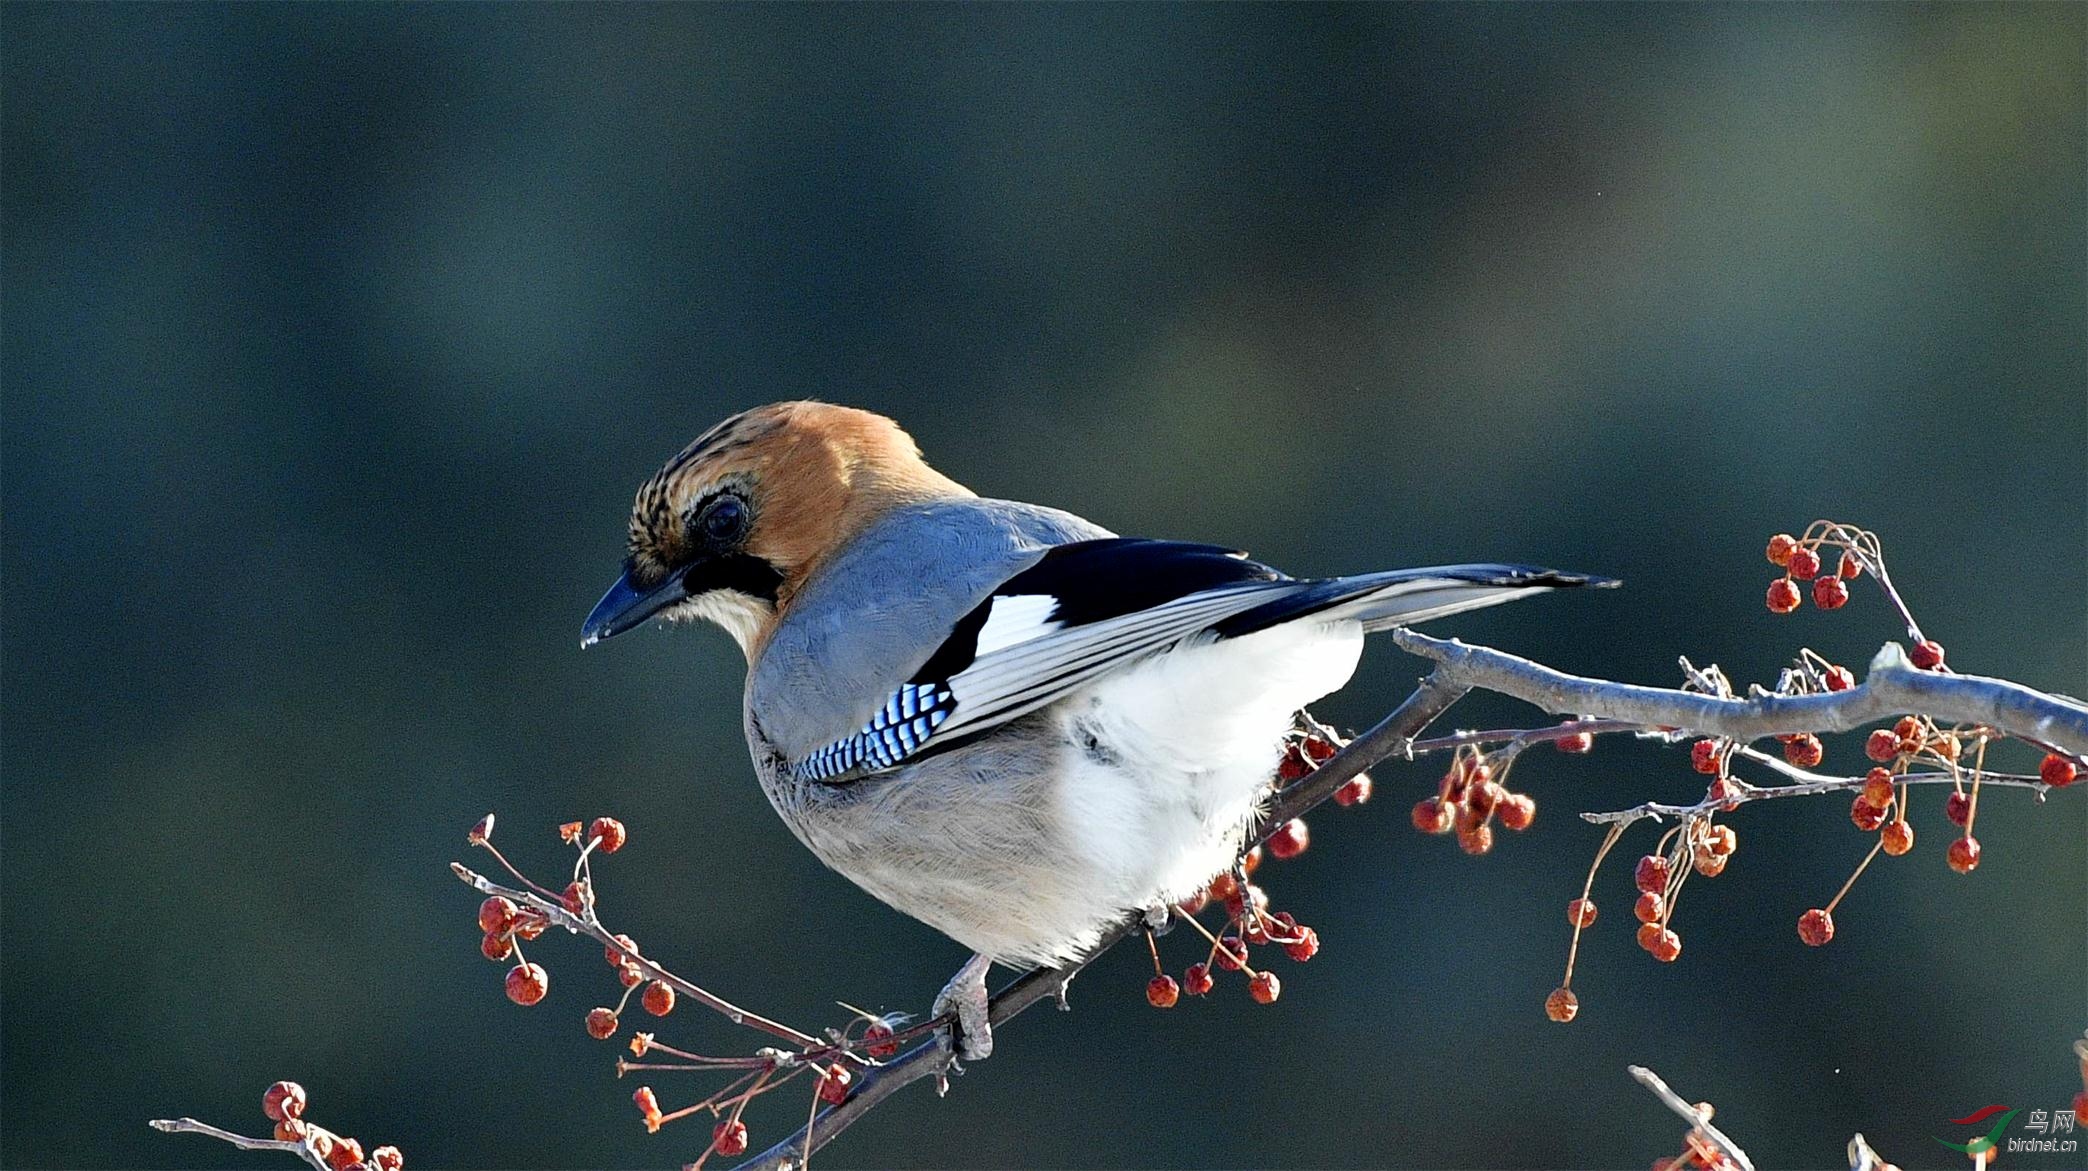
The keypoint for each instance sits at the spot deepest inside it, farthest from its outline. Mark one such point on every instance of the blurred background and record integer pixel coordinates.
(337, 338)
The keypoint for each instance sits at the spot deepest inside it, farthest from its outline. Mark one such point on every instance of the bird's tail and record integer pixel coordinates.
(1402, 597)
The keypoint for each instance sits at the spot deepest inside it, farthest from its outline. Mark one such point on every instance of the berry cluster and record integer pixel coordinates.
(1696, 846)
(284, 1104)
(834, 1063)
(1802, 559)
(1470, 798)
(1248, 921)
(504, 925)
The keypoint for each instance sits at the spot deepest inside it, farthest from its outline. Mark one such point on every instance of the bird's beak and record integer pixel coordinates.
(625, 606)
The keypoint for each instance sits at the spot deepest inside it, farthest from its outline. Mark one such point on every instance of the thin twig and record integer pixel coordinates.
(299, 1147)
(560, 917)
(1692, 1116)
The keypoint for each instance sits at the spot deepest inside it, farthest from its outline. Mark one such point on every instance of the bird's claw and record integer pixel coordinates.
(969, 1034)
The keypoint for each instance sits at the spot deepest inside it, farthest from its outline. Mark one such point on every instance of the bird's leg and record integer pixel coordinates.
(964, 998)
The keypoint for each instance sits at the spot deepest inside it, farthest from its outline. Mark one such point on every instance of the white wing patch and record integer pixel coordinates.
(1014, 619)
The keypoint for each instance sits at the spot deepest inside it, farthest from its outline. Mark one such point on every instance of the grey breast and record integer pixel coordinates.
(871, 615)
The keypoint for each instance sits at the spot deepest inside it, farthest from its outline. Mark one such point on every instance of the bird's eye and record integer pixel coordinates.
(724, 519)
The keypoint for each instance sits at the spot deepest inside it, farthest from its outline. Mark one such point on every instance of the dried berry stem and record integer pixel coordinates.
(1858, 873)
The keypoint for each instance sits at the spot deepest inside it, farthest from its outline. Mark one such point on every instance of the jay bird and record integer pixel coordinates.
(998, 718)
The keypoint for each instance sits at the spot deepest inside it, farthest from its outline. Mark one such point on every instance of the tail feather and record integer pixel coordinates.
(1402, 597)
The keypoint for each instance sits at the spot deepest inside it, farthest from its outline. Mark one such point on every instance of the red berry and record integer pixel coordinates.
(1829, 593)
(1293, 766)
(527, 983)
(629, 976)
(346, 1153)
(1304, 947)
(1320, 749)
(1224, 888)
(1816, 926)
(497, 947)
(1162, 992)
(1561, 1005)
(1432, 816)
(1666, 946)
(1721, 840)
(1781, 546)
(1782, 596)
(530, 924)
(1703, 757)
(1578, 743)
(1651, 874)
(1708, 864)
(1481, 799)
(1804, 565)
(1649, 908)
(1581, 912)
(1838, 678)
(1197, 980)
(1958, 808)
(496, 914)
(1264, 987)
(647, 1104)
(1251, 861)
(834, 1083)
(1517, 811)
(1865, 815)
(2057, 771)
(1290, 839)
(1804, 750)
(1720, 791)
(1927, 654)
(1475, 841)
(387, 1159)
(1231, 951)
(1881, 745)
(1877, 788)
(610, 831)
(1850, 567)
(616, 958)
(876, 1045)
(283, 1101)
(658, 998)
(729, 1137)
(1354, 791)
(290, 1130)
(1897, 838)
(570, 831)
(1964, 854)
(601, 1024)
(575, 897)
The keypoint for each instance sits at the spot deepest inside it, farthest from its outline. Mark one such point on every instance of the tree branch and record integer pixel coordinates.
(1894, 688)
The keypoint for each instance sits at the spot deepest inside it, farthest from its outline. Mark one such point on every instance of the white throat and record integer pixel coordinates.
(741, 615)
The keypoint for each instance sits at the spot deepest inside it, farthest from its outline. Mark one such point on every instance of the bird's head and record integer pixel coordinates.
(734, 525)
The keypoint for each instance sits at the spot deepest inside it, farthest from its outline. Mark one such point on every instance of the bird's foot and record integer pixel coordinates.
(969, 1034)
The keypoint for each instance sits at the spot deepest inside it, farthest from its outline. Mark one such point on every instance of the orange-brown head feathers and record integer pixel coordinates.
(731, 527)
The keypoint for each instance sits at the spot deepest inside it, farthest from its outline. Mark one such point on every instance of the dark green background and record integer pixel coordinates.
(336, 339)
